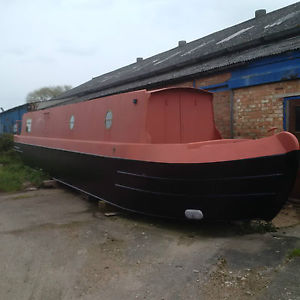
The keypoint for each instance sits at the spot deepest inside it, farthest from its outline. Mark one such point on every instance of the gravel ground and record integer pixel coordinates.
(57, 245)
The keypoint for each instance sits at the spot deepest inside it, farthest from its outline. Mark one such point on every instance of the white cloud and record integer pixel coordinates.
(53, 42)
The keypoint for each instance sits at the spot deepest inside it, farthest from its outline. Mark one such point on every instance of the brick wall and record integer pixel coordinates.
(183, 84)
(222, 113)
(258, 108)
(210, 80)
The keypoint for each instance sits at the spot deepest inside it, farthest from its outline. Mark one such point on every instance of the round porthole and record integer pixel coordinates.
(108, 119)
(72, 122)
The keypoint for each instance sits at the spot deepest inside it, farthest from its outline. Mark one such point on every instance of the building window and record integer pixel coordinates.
(108, 119)
(28, 125)
(72, 122)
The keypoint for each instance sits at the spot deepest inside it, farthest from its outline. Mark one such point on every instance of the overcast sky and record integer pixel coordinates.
(58, 42)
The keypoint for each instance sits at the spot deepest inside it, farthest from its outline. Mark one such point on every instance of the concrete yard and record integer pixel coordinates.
(57, 245)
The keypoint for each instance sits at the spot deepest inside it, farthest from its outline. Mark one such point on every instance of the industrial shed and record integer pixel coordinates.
(253, 68)
(10, 120)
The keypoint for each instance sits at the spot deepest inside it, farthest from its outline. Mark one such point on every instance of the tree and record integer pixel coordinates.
(46, 93)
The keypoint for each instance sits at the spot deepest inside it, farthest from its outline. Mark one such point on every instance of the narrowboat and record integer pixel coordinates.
(159, 153)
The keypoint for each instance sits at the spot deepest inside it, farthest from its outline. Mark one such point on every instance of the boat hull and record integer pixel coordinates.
(254, 188)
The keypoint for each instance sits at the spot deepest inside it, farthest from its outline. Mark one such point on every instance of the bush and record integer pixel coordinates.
(6, 142)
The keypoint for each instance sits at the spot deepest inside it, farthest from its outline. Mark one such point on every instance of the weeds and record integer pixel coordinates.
(294, 253)
(13, 173)
(6, 142)
(256, 227)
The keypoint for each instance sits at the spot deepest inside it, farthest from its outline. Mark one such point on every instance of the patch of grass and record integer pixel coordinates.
(294, 253)
(6, 142)
(256, 227)
(13, 172)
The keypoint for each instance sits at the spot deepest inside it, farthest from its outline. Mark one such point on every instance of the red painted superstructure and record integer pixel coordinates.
(169, 125)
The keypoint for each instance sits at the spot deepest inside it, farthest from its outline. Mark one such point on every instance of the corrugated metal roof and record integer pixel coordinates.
(274, 33)
(14, 108)
(46, 104)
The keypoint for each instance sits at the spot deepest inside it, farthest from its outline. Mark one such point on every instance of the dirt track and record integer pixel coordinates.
(56, 245)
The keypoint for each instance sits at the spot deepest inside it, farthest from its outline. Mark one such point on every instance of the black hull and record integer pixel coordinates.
(234, 190)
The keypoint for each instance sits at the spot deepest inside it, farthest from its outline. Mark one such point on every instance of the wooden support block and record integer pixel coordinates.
(107, 209)
(49, 184)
